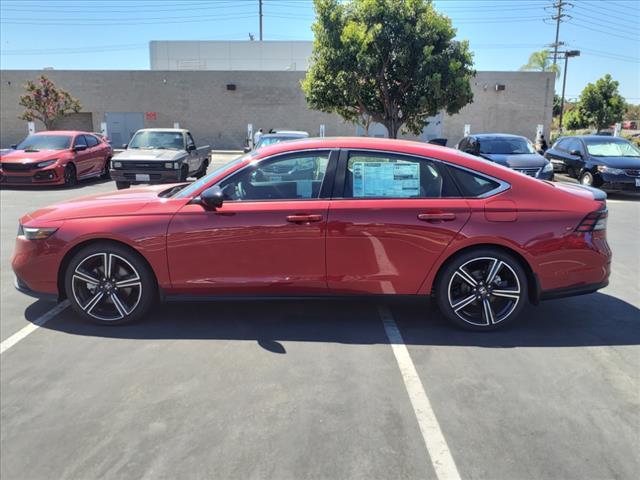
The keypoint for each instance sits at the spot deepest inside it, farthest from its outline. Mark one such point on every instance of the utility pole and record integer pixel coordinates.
(260, 16)
(567, 54)
(559, 16)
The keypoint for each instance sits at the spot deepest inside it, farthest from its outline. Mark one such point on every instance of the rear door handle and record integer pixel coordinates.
(437, 217)
(304, 218)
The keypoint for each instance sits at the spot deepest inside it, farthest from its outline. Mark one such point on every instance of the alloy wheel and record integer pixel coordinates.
(106, 286)
(484, 291)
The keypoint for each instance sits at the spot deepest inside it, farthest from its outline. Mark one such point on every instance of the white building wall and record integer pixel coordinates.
(230, 56)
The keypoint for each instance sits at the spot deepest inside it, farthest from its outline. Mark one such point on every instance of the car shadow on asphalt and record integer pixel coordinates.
(591, 320)
(44, 188)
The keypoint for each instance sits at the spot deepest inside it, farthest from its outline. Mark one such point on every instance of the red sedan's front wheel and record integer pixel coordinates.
(483, 289)
(109, 284)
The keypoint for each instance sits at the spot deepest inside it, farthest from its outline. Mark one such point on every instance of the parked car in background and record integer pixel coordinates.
(159, 155)
(610, 163)
(630, 124)
(369, 217)
(55, 157)
(512, 151)
(277, 137)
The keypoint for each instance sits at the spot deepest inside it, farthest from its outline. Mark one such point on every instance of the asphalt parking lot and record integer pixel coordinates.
(316, 389)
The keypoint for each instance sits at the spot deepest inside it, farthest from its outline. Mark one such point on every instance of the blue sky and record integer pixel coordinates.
(114, 34)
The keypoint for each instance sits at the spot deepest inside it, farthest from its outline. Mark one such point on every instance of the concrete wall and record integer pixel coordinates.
(200, 101)
(232, 55)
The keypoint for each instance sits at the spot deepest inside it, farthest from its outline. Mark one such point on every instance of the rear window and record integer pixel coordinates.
(471, 184)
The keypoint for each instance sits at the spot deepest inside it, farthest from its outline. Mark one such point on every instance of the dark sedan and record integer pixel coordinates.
(511, 151)
(610, 163)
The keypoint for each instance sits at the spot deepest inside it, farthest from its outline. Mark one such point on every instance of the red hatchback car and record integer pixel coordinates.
(55, 157)
(324, 217)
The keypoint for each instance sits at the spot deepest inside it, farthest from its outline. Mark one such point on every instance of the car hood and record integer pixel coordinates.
(527, 160)
(20, 156)
(119, 203)
(150, 155)
(617, 162)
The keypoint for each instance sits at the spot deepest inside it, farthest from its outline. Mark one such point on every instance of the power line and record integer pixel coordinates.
(128, 21)
(559, 16)
(604, 22)
(588, 26)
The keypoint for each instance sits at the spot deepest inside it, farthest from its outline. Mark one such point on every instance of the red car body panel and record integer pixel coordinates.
(348, 246)
(18, 165)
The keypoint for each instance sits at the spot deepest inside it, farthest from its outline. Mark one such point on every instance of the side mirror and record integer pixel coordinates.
(14, 146)
(212, 198)
(247, 149)
(125, 145)
(575, 153)
(191, 148)
(79, 148)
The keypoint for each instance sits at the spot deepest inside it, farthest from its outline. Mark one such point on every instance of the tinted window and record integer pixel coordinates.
(470, 184)
(45, 142)
(574, 144)
(506, 145)
(298, 176)
(80, 141)
(190, 142)
(561, 144)
(389, 176)
(91, 140)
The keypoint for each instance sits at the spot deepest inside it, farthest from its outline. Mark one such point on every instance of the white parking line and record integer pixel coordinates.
(32, 327)
(434, 440)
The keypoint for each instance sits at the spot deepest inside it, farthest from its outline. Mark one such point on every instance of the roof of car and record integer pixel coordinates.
(595, 137)
(63, 132)
(175, 130)
(286, 134)
(495, 135)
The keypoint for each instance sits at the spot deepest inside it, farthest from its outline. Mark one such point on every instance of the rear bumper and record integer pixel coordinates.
(573, 291)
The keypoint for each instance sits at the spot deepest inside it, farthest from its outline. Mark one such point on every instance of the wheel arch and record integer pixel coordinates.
(533, 284)
(76, 248)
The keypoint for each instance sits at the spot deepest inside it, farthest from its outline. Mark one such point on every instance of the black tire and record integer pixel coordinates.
(465, 304)
(115, 305)
(122, 185)
(184, 173)
(106, 173)
(70, 175)
(587, 178)
(203, 169)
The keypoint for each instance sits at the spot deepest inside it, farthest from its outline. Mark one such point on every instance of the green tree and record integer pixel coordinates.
(600, 104)
(46, 102)
(393, 61)
(539, 62)
(573, 120)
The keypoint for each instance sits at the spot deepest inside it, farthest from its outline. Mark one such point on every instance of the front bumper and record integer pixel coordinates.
(22, 287)
(44, 176)
(145, 176)
(625, 182)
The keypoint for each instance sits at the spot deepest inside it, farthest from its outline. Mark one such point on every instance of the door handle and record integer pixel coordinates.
(304, 218)
(437, 217)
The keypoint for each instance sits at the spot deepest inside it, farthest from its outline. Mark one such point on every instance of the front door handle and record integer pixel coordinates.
(437, 217)
(304, 218)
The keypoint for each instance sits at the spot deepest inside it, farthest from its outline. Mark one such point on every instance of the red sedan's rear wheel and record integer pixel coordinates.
(482, 289)
(109, 284)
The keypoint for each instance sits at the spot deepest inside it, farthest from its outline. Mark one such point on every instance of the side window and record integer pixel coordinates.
(463, 144)
(291, 177)
(91, 140)
(80, 140)
(574, 144)
(389, 176)
(470, 184)
(190, 143)
(561, 144)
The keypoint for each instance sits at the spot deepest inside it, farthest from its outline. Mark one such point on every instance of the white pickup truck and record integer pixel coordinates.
(159, 155)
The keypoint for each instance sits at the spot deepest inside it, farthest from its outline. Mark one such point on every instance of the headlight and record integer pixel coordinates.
(46, 163)
(548, 168)
(169, 165)
(609, 170)
(34, 233)
(116, 164)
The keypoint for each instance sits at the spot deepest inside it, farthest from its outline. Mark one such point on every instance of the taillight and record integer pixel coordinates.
(594, 221)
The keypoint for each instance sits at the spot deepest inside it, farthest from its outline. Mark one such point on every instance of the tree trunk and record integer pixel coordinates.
(392, 127)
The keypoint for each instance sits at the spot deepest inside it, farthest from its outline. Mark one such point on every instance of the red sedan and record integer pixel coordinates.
(320, 217)
(55, 157)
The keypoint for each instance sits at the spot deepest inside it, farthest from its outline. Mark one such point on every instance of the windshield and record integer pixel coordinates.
(189, 189)
(506, 146)
(271, 140)
(160, 140)
(608, 148)
(33, 143)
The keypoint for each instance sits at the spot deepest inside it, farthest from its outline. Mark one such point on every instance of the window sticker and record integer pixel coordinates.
(386, 179)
